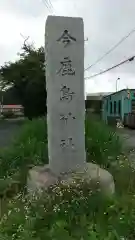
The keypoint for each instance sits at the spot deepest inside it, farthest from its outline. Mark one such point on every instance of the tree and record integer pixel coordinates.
(9, 96)
(27, 76)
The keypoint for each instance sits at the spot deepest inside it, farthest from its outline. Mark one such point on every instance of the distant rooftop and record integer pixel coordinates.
(97, 96)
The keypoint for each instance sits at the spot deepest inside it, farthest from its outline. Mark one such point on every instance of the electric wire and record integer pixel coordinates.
(110, 50)
(109, 69)
(45, 2)
(49, 2)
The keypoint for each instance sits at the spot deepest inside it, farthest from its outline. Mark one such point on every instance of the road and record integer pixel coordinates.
(128, 135)
(8, 130)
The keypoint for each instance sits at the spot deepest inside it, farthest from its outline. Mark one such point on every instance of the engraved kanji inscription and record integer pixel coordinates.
(65, 117)
(66, 94)
(66, 38)
(63, 143)
(67, 143)
(66, 67)
(70, 114)
(70, 142)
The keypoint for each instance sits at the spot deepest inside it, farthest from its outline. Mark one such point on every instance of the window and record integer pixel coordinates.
(133, 106)
(114, 107)
(107, 105)
(110, 107)
(119, 107)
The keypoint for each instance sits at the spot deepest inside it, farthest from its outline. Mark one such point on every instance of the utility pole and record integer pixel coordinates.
(117, 84)
(85, 40)
(1, 101)
(1, 95)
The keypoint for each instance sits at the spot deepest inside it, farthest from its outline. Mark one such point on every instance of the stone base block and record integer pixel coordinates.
(42, 177)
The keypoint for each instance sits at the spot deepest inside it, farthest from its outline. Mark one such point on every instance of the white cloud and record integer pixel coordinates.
(105, 22)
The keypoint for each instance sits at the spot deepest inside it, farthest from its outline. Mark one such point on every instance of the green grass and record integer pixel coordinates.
(73, 212)
(77, 212)
(102, 143)
(30, 146)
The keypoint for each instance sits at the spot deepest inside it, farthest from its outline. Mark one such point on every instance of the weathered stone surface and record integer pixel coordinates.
(64, 50)
(94, 173)
(42, 178)
(105, 179)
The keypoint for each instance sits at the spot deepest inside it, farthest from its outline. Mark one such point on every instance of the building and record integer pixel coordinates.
(119, 105)
(16, 109)
(10, 102)
(93, 101)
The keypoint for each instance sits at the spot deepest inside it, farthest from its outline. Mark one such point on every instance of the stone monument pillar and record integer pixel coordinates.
(64, 50)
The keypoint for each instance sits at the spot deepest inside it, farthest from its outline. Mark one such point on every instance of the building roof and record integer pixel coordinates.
(97, 96)
(12, 106)
(125, 89)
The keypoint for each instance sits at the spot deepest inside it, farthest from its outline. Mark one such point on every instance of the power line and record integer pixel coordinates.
(45, 2)
(115, 46)
(49, 2)
(47, 5)
(109, 69)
